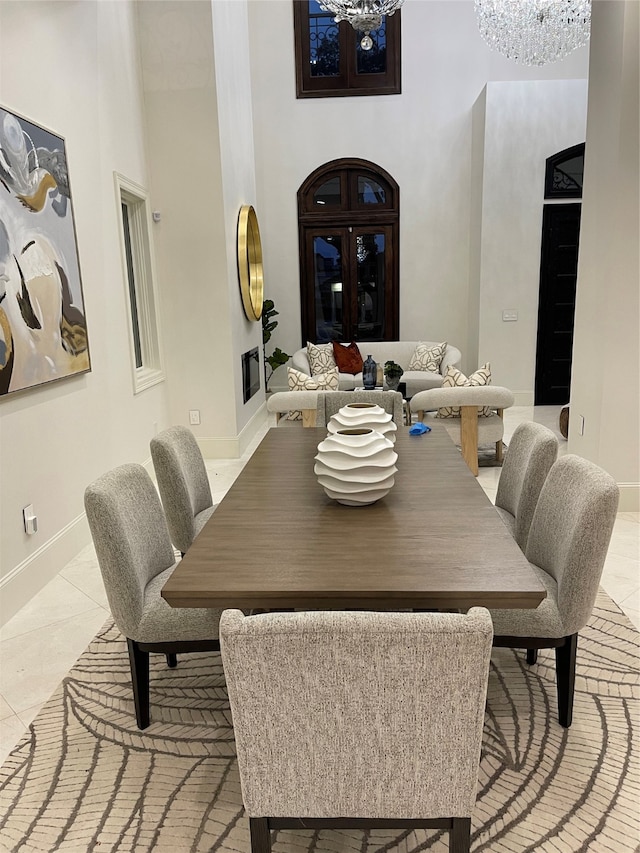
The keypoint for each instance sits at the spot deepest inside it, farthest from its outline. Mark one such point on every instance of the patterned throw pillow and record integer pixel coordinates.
(320, 357)
(453, 378)
(347, 357)
(426, 357)
(298, 381)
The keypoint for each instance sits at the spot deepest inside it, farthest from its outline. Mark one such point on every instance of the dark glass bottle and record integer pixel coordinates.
(369, 373)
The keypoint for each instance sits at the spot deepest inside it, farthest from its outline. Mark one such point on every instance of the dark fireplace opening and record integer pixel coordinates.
(250, 373)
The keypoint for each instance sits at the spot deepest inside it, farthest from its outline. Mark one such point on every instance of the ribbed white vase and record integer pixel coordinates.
(356, 466)
(364, 415)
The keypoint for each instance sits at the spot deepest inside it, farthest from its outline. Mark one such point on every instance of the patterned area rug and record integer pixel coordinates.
(85, 778)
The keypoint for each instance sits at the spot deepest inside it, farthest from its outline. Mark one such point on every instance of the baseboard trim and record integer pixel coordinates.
(629, 497)
(27, 578)
(233, 448)
(255, 423)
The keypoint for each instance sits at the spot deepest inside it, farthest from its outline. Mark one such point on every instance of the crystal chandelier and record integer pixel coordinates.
(534, 32)
(363, 15)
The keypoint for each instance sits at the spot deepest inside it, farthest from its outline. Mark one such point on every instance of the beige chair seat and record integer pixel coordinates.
(136, 559)
(566, 546)
(532, 451)
(468, 431)
(281, 403)
(183, 484)
(348, 718)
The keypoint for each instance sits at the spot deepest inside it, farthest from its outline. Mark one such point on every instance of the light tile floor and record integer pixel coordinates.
(42, 641)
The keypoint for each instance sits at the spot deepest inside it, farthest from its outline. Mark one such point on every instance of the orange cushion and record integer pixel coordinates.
(347, 357)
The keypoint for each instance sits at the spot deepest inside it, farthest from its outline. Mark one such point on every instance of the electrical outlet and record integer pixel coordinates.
(194, 417)
(509, 315)
(30, 520)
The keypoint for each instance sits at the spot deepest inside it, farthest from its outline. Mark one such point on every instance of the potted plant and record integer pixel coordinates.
(277, 357)
(392, 374)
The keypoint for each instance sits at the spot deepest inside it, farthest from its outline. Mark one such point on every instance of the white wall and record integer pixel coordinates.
(59, 68)
(423, 137)
(525, 122)
(237, 159)
(605, 385)
(200, 147)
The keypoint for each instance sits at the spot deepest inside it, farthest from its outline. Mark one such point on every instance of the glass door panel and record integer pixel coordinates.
(328, 284)
(324, 42)
(371, 277)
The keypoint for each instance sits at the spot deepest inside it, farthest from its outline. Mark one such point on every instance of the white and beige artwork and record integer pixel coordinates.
(43, 332)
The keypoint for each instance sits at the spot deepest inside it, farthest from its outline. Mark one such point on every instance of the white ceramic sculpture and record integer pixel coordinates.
(364, 415)
(356, 466)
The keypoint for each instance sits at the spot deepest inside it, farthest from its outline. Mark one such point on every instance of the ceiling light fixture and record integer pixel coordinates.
(534, 32)
(363, 15)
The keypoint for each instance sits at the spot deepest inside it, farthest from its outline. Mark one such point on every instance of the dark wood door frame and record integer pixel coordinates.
(556, 304)
(352, 219)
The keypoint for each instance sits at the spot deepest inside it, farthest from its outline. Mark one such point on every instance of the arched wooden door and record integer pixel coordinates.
(348, 217)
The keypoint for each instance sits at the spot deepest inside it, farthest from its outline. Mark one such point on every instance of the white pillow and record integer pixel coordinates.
(298, 381)
(321, 358)
(427, 357)
(453, 378)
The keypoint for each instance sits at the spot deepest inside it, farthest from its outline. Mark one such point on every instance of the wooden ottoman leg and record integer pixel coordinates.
(469, 437)
(309, 417)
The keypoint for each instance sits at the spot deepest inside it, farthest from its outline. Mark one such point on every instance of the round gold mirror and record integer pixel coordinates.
(250, 263)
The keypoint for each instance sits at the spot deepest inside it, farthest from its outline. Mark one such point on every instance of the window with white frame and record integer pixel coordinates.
(133, 215)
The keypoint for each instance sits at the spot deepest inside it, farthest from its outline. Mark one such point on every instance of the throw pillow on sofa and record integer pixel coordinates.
(347, 357)
(320, 358)
(454, 378)
(298, 381)
(427, 357)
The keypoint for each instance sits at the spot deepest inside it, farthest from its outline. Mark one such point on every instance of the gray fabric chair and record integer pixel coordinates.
(567, 546)
(532, 451)
(136, 558)
(330, 402)
(357, 720)
(183, 484)
(468, 431)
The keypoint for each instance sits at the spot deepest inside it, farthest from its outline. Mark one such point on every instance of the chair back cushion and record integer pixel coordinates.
(454, 378)
(427, 357)
(345, 714)
(348, 357)
(532, 451)
(131, 539)
(298, 381)
(329, 404)
(570, 533)
(182, 482)
(320, 358)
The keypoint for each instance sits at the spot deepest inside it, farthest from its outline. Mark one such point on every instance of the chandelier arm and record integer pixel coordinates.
(363, 15)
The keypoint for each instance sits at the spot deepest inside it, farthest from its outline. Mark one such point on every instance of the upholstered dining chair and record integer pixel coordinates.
(183, 484)
(136, 558)
(468, 431)
(567, 546)
(357, 720)
(532, 451)
(330, 402)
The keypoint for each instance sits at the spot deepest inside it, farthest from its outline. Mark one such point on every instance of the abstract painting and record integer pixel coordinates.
(43, 331)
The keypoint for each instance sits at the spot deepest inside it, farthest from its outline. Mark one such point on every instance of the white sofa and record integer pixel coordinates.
(398, 351)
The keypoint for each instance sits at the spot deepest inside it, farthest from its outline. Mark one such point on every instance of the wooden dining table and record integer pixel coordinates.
(435, 541)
